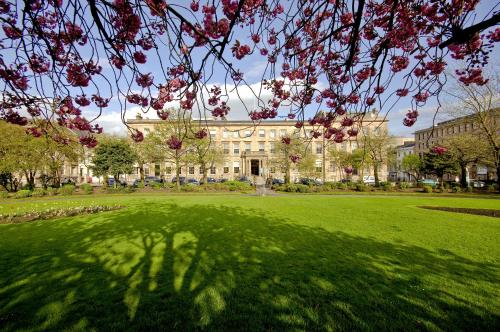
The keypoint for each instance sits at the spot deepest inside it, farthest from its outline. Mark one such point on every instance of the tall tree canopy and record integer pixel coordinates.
(342, 55)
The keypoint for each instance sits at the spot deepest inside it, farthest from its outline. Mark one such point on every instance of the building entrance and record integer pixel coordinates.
(254, 167)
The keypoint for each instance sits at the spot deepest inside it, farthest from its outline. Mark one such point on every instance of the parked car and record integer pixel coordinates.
(149, 179)
(244, 179)
(310, 182)
(429, 182)
(345, 181)
(278, 181)
(477, 184)
(209, 180)
(67, 181)
(369, 180)
(182, 179)
(222, 180)
(111, 182)
(193, 182)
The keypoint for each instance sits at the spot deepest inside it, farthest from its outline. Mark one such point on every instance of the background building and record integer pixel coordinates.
(248, 149)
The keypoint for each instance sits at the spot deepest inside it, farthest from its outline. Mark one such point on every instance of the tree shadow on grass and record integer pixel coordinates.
(208, 267)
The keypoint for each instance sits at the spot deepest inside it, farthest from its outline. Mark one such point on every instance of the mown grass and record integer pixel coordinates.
(233, 262)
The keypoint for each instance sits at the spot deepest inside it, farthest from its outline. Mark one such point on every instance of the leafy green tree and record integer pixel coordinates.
(113, 156)
(174, 139)
(146, 152)
(439, 164)
(289, 151)
(466, 149)
(376, 143)
(205, 154)
(20, 153)
(412, 165)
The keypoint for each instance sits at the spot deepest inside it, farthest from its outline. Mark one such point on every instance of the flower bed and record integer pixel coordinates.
(54, 213)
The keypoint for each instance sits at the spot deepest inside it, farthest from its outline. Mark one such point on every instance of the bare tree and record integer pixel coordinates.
(480, 105)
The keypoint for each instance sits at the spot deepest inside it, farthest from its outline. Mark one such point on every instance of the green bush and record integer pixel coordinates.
(456, 189)
(169, 185)
(38, 192)
(87, 188)
(67, 189)
(404, 185)
(427, 189)
(492, 188)
(140, 185)
(302, 188)
(156, 185)
(361, 187)
(387, 187)
(469, 189)
(237, 186)
(4, 194)
(341, 186)
(52, 191)
(23, 194)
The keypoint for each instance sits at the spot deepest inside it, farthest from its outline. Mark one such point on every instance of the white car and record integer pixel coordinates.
(369, 179)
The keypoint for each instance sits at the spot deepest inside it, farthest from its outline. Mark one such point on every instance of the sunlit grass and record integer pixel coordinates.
(252, 263)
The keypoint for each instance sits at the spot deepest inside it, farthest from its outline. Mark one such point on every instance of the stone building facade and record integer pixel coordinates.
(425, 139)
(249, 149)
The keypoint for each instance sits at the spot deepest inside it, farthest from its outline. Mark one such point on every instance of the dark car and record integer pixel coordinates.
(223, 180)
(193, 182)
(306, 181)
(182, 179)
(111, 182)
(67, 181)
(245, 179)
(209, 180)
(345, 181)
(278, 181)
(149, 179)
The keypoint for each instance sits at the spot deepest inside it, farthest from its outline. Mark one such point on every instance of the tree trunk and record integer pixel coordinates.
(117, 178)
(205, 174)
(375, 173)
(177, 175)
(463, 175)
(141, 172)
(323, 161)
(498, 178)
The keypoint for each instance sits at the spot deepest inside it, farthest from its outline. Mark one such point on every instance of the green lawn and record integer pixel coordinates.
(236, 262)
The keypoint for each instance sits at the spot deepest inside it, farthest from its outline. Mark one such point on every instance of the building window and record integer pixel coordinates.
(319, 148)
(201, 169)
(236, 148)
(236, 134)
(354, 145)
(318, 166)
(262, 133)
(213, 133)
(272, 133)
(225, 147)
(225, 134)
(261, 146)
(282, 132)
(248, 147)
(146, 171)
(226, 169)
(168, 170)
(212, 170)
(272, 147)
(248, 133)
(273, 169)
(236, 167)
(157, 169)
(191, 169)
(332, 166)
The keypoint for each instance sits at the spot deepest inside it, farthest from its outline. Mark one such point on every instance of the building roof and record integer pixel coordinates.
(455, 120)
